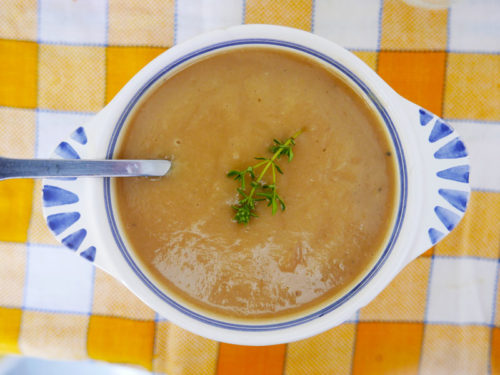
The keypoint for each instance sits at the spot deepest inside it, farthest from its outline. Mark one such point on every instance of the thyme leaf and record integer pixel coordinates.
(257, 190)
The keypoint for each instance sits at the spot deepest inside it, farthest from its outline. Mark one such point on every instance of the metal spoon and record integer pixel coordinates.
(40, 168)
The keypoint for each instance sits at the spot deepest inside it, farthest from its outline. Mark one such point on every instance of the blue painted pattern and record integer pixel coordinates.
(447, 217)
(65, 151)
(55, 196)
(74, 240)
(79, 135)
(425, 117)
(58, 223)
(456, 198)
(89, 254)
(435, 235)
(452, 150)
(459, 174)
(440, 130)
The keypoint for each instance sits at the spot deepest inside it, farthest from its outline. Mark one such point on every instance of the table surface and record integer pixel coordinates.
(61, 61)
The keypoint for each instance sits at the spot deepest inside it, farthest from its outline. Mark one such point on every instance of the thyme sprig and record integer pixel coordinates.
(260, 190)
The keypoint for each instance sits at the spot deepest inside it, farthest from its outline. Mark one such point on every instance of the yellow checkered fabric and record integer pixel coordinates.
(61, 61)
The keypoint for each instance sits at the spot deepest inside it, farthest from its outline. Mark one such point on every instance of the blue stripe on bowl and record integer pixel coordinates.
(58, 223)
(459, 174)
(275, 326)
(65, 151)
(74, 240)
(456, 198)
(56, 196)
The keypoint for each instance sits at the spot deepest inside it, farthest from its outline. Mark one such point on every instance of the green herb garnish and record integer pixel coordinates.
(259, 190)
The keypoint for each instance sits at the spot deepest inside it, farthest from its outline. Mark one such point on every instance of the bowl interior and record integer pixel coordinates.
(356, 83)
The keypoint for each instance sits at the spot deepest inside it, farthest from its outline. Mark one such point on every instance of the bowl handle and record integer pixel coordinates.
(68, 202)
(446, 165)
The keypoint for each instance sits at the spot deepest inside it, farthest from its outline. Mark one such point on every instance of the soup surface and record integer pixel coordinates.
(217, 115)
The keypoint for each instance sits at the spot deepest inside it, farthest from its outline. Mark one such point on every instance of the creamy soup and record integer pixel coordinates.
(217, 115)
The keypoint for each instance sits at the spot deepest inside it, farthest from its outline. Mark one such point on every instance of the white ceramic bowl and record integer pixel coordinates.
(432, 163)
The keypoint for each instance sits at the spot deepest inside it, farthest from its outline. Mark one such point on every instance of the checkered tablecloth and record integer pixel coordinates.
(61, 61)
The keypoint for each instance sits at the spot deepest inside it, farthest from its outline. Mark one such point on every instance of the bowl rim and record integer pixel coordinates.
(401, 170)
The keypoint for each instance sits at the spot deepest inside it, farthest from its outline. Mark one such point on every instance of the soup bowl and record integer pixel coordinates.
(432, 186)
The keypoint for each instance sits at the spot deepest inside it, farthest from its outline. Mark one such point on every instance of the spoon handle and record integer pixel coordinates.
(40, 168)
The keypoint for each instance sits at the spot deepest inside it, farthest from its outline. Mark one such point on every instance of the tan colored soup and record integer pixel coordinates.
(217, 115)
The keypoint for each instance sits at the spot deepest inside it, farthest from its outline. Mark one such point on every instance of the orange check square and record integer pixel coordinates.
(123, 62)
(250, 360)
(417, 76)
(121, 340)
(292, 13)
(18, 73)
(495, 350)
(387, 348)
(10, 323)
(15, 209)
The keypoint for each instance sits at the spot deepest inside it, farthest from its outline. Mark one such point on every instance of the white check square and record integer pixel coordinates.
(352, 24)
(72, 22)
(54, 127)
(474, 26)
(461, 291)
(196, 17)
(57, 280)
